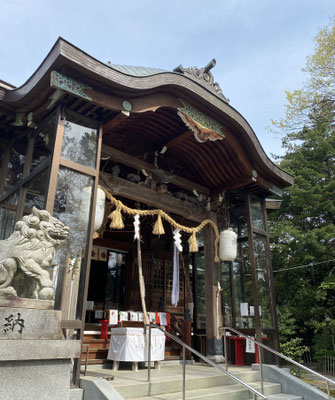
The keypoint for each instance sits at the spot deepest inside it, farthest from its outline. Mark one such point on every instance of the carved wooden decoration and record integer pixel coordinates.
(203, 75)
(204, 127)
(62, 82)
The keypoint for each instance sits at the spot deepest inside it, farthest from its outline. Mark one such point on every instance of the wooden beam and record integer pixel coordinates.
(239, 150)
(55, 98)
(77, 167)
(179, 138)
(110, 125)
(263, 183)
(108, 101)
(134, 162)
(245, 180)
(272, 205)
(235, 183)
(71, 324)
(267, 185)
(166, 202)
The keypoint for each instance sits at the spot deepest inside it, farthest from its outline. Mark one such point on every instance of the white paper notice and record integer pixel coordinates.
(123, 315)
(99, 314)
(152, 317)
(252, 311)
(260, 310)
(162, 318)
(244, 307)
(113, 314)
(249, 346)
(133, 316)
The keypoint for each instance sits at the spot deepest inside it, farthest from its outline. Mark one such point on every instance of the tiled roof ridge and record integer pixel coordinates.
(200, 75)
(135, 70)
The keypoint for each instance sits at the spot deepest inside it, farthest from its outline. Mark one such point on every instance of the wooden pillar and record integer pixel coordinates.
(253, 268)
(57, 150)
(213, 297)
(4, 168)
(187, 336)
(273, 302)
(26, 171)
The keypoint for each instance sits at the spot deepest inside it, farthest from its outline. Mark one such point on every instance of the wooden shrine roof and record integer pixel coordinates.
(157, 97)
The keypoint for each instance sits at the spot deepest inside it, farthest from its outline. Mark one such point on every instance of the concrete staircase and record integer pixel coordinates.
(202, 383)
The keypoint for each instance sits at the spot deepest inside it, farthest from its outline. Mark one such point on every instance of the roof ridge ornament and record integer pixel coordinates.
(204, 75)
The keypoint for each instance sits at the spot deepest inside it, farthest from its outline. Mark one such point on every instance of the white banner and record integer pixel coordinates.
(175, 280)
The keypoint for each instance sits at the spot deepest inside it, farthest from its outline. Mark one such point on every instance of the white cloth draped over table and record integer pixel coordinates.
(129, 344)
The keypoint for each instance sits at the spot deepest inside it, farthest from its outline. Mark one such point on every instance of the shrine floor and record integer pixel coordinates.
(202, 382)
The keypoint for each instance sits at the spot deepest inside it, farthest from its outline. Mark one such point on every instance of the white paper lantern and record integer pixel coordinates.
(228, 245)
(85, 206)
(99, 209)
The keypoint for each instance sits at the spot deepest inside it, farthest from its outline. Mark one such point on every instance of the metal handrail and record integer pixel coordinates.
(86, 358)
(225, 328)
(256, 394)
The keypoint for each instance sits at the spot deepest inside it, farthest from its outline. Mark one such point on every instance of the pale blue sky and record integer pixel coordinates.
(260, 45)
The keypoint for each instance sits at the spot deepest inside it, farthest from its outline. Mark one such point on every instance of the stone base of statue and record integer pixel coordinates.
(17, 302)
(35, 359)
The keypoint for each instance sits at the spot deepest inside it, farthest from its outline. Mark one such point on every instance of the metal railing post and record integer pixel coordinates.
(260, 367)
(328, 390)
(225, 348)
(149, 353)
(184, 374)
(86, 358)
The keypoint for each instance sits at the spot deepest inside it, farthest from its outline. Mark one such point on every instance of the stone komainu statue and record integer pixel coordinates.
(28, 253)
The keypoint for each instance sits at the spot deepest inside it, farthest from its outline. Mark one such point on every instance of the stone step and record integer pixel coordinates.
(76, 394)
(172, 386)
(94, 341)
(94, 354)
(97, 361)
(227, 392)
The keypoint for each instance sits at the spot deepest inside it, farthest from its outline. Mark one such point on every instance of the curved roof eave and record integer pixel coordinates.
(64, 53)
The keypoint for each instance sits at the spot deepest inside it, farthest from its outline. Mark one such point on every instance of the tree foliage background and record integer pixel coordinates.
(303, 230)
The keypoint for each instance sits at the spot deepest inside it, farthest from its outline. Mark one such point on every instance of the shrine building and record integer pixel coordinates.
(94, 144)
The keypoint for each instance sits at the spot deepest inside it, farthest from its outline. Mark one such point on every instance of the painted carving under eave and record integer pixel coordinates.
(204, 127)
(61, 82)
(27, 254)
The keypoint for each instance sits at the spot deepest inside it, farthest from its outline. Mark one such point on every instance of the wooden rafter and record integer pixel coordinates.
(114, 122)
(235, 183)
(186, 134)
(134, 162)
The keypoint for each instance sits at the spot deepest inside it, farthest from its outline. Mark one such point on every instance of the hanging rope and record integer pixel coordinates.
(141, 283)
(117, 223)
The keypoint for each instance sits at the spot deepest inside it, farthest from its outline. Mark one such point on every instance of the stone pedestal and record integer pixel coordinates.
(35, 360)
(215, 350)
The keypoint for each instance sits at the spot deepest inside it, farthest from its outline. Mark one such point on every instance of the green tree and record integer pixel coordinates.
(303, 230)
(319, 86)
